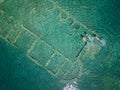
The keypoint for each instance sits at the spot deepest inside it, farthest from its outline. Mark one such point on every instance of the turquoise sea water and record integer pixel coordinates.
(18, 72)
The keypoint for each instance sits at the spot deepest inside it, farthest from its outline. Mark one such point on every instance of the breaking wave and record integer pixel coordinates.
(103, 42)
(71, 86)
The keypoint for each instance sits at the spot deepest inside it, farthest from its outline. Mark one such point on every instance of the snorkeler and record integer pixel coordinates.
(95, 35)
(83, 38)
(102, 41)
(87, 35)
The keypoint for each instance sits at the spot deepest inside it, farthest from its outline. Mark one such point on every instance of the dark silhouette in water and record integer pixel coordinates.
(81, 50)
(84, 39)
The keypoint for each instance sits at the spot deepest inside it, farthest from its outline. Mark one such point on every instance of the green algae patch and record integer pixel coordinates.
(39, 52)
(24, 41)
(91, 49)
(55, 63)
(1, 1)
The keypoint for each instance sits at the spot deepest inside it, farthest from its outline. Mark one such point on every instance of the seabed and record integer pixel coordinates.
(41, 47)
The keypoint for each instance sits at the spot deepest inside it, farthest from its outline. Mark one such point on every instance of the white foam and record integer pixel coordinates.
(90, 38)
(103, 42)
(72, 86)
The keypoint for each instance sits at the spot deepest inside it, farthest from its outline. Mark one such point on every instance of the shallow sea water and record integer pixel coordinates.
(102, 72)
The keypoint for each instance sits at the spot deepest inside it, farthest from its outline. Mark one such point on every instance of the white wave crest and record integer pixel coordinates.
(103, 42)
(72, 86)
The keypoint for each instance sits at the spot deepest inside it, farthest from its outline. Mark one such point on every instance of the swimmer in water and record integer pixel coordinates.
(100, 40)
(95, 35)
(103, 42)
(89, 37)
(83, 38)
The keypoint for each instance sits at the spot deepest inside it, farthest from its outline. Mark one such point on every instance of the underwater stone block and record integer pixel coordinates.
(69, 71)
(74, 70)
(49, 5)
(5, 30)
(90, 51)
(62, 15)
(64, 69)
(2, 19)
(25, 41)
(76, 26)
(55, 12)
(39, 52)
(69, 21)
(55, 63)
(11, 37)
